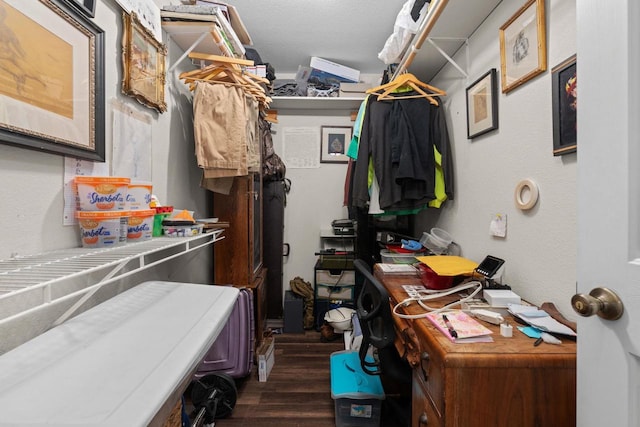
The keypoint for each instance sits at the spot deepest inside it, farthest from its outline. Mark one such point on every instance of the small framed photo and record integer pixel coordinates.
(523, 49)
(86, 7)
(334, 143)
(143, 63)
(482, 105)
(565, 104)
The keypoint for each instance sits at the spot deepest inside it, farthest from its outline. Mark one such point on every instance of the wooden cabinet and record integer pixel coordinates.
(238, 257)
(505, 383)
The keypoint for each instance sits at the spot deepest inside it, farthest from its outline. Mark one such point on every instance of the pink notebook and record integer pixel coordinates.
(466, 327)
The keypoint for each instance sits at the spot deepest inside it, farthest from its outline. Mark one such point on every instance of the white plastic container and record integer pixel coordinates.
(389, 257)
(140, 225)
(139, 195)
(101, 193)
(100, 229)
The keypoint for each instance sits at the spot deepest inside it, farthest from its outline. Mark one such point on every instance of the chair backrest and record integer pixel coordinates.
(374, 314)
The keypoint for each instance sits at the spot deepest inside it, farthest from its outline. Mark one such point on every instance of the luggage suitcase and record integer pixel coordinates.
(232, 352)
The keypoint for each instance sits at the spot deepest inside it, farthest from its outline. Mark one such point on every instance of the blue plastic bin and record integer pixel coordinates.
(358, 396)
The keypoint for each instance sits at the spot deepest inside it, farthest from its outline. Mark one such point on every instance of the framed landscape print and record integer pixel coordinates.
(143, 62)
(52, 80)
(564, 95)
(482, 105)
(523, 49)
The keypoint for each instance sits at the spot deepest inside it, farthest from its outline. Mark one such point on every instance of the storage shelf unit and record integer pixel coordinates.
(29, 283)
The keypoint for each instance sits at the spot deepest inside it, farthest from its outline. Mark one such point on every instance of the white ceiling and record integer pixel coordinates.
(287, 33)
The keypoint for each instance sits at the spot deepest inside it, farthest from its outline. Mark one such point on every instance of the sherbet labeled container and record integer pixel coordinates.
(102, 193)
(138, 195)
(140, 226)
(100, 229)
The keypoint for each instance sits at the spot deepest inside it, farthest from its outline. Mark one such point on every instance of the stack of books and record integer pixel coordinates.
(220, 27)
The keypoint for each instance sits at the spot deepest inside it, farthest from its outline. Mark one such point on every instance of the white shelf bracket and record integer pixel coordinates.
(447, 57)
(188, 51)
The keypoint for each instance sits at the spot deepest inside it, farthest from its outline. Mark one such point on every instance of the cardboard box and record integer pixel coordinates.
(354, 90)
(266, 359)
(340, 71)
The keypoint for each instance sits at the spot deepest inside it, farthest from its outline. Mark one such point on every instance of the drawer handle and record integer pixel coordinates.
(423, 420)
(425, 357)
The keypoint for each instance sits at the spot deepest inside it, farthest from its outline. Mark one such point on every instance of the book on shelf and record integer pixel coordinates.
(168, 15)
(467, 329)
(230, 35)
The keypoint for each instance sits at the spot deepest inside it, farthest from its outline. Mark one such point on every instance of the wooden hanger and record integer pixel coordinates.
(229, 71)
(407, 80)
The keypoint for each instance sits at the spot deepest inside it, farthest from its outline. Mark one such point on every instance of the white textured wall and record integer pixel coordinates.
(32, 189)
(540, 246)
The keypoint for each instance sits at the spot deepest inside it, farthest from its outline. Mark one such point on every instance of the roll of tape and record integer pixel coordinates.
(526, 185)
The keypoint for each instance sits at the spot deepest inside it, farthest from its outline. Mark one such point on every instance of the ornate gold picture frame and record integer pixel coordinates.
(143, 62)
(523, 47)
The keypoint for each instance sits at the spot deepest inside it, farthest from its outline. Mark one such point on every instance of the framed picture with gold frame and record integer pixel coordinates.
(143, 62)
(52, 75)
(523, 49)
(564, 80)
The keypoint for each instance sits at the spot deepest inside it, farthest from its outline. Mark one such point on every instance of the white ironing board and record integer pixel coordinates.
(118, 363)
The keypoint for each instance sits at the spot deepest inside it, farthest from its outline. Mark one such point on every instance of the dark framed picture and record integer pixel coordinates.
(565, 104)
(334, 142)
(482, 105)
(52, 93)
(523, 49)
(143, 63)
(86, 7)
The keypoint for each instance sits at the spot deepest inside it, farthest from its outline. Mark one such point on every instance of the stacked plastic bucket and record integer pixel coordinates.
(113, 210)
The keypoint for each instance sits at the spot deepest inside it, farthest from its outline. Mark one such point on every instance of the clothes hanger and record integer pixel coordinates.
(407, 80)
(229, 71)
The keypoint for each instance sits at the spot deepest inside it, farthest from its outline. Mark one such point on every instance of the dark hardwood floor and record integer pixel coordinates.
(298, 390)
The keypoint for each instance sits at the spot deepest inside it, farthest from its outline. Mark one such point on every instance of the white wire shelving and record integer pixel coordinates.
(29, 282)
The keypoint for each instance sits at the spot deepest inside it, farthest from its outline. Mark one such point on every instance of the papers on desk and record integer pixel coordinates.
(540, 319)
(466, 327)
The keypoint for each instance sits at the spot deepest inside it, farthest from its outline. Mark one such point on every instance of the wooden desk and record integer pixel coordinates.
(502, 384)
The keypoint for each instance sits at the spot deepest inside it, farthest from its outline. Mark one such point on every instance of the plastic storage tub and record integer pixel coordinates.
(102, 193)
(140, 226)
(100, 229)
(358, 396)
(431, 280)
(389, 257)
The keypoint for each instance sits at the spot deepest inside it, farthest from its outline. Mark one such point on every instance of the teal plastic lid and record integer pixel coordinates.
(349, 381)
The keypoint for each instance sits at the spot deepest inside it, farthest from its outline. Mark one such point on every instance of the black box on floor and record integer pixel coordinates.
(293, 309)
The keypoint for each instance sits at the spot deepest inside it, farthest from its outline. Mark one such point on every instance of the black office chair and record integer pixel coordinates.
(374, 315)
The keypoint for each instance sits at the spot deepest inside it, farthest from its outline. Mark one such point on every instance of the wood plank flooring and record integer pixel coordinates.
(298, 390)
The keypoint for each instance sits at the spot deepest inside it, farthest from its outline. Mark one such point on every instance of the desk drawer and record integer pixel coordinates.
(431, 373)
(423, 414)
(336, 277)
(337, 292)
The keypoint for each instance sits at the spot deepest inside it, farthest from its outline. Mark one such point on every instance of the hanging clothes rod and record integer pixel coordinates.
(435, 10)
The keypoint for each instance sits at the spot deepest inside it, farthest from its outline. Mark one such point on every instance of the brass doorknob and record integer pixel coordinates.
(601, 301)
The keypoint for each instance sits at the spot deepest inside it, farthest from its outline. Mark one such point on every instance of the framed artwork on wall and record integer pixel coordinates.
(482, 105)
(565, 104)
(523, 49)
(334, 141)
(87, 7)
(52, 80)
(143, 62)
